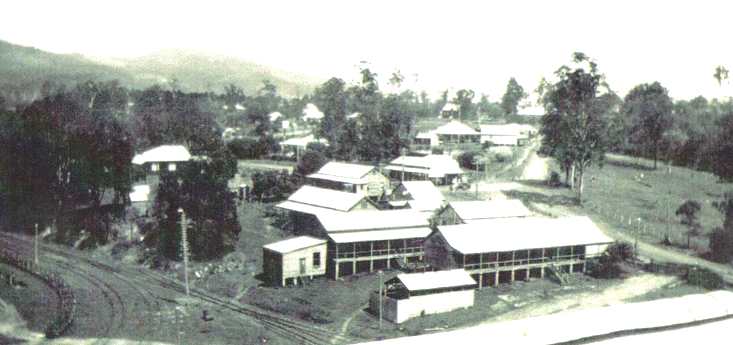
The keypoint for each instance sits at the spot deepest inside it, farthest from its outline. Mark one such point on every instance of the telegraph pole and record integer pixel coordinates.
(35, 246)
(380, 299)
(184, 248)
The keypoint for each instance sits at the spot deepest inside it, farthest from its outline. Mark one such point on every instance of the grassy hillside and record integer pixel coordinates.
(630, 188)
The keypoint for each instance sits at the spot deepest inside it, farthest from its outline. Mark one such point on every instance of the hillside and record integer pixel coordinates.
(24, 70)
(199, 72)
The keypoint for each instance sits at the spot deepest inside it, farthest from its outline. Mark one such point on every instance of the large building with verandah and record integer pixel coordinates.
(456, 132)
(415, 294)
(503, 250)
(361, 242)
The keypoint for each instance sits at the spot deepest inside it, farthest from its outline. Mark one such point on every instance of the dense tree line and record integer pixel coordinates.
(67, 163)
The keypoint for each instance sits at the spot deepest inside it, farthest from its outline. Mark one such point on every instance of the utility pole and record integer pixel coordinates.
(380, 298)
(35, 246)
(475, 164)
(184, 248)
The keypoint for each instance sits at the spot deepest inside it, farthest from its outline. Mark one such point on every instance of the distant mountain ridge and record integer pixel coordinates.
(24, 70)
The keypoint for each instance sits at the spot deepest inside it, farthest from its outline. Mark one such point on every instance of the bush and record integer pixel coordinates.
(466, 159)
(705, 278)
(554, 180)
(721, 245)
(608, 265)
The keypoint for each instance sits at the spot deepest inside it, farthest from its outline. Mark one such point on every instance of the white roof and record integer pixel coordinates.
(275, 115)
(325, 198)
(435, 279)
(311, 112)
(379, 235)
(432, 165)
(489, 209)
(293, 244)
(425, 196)
(450, 107)
(303, 141)
(304, 208)
(507, 234)
(140, 193)
(456, 128)
(426, 135)
(164, 153)
(353, 115)
(343, 172)
(509, 129)
(370, 219)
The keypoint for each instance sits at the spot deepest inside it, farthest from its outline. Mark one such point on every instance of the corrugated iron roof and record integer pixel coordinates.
(293, 244)
(163, 153)
(489, 209)
(456, 128)
(435, 166)
(325, 198)
(507, 234)
(436, 280)
(368, 220)
(343, 172)
(379, 235)
(140, 193)
(311, 112)
(303, 141)
(424, 194)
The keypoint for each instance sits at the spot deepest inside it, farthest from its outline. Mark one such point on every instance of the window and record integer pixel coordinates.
(172, 167)
(317, 259)
(302, 265)
(154, 167)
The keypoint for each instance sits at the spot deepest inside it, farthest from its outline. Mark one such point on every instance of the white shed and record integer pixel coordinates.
(415, 294)
(292, 259)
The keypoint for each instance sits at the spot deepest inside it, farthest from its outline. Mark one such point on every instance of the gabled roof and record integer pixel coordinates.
(507, 234)
(163, 153)
(450, 107)
(343, 172)
(432, 165)
(293, 244)
(425, 196)
(311, 112)
(303, 141)
(275, 115)
(436, 280)
(327, 199)
(456, 128)
(489, 209)
(371, 220)
(379, 235)
(508, 129)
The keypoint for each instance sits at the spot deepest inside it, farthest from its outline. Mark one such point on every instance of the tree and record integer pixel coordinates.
(721, 239)
(688, 216)
(721, 74)
(331, 100)
(513, 95)
(650, 108)
(464, 100)
(574, 127)
(310, 162)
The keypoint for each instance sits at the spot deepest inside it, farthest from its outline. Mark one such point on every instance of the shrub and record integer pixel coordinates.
(705, 278)
(721, 245)
(554, 180)
(608, 265)
(466, 159)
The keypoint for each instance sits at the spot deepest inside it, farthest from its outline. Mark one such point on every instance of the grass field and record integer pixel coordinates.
(628, 188)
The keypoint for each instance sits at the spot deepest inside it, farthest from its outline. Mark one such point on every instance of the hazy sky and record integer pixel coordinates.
(456, 44)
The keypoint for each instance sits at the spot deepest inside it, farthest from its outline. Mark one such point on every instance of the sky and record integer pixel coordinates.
(436, 45)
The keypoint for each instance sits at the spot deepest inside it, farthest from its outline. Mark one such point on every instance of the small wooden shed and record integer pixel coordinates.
(285, 262)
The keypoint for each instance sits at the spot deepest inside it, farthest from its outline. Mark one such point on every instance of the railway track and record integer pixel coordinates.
(144, 282)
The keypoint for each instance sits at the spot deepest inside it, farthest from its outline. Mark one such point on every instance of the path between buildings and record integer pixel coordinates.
(345, 325)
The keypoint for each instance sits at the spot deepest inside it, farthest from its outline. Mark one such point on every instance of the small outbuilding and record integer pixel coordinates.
(286, 262)
(415, 294)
